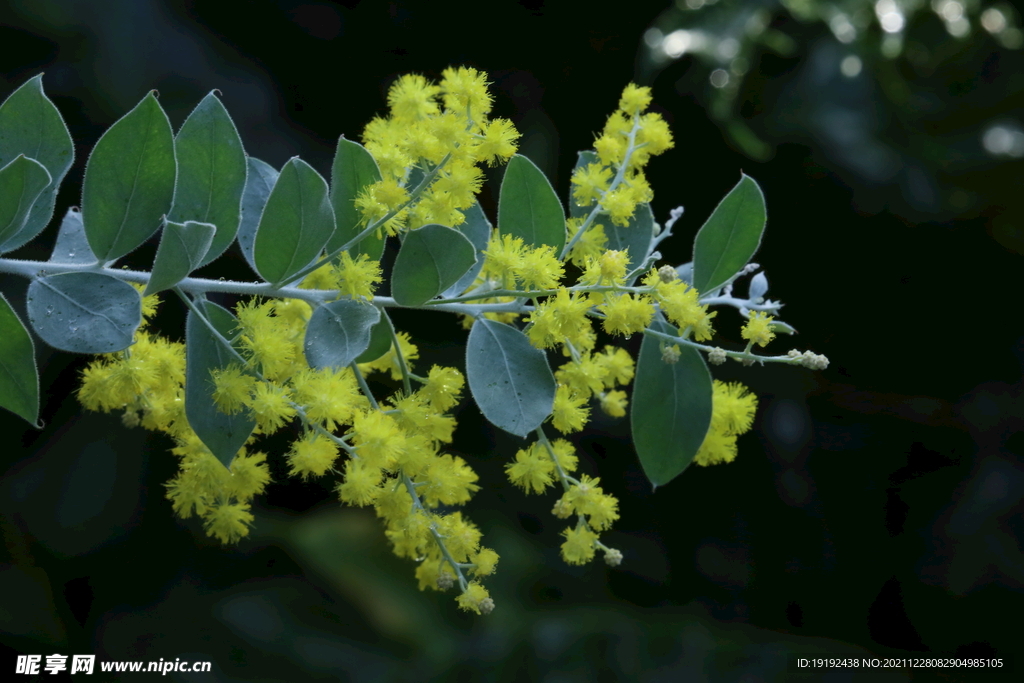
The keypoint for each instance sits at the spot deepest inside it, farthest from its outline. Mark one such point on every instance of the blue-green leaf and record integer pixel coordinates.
(296, 223)
(223, 434)
(671, 408)
(129, 181)
(354, 168)
(477, 229)
(338, 332)
(84, 312)
(21, 183)
(19, 377)
(528, 206)
(730, 236)
(510, 380)
(72, 245)
(31, 125)
(182, 248)
(431, 260)
(258, 184)
(380, 340)
(211, 173)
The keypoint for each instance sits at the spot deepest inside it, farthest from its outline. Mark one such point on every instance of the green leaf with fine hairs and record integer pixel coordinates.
(21, 183)
(510, 380)
(354, 168)
(211, 173)
(338, 332)
(223, 434)
(431, 260)
(296, 223)
(84, 312)
(182, 248)
(72, 245)
(729, 238)
(528, 206)
(671, 407)
(259, 182)
(31, 125)
(19, 377)
(477, 229)
(635, 236)
(129, 181)
(380, 340)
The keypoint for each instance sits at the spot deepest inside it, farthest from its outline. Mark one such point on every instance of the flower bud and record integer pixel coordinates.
(613, 557)
(486, 606)
(667, 274)
(717, 356)
(670, 354)
(445, 581)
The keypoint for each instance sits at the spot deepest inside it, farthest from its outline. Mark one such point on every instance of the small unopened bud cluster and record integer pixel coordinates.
(445, 581)
(717, 356)
(670, 354)
(668, 274)
(814, 361)
(613, 557)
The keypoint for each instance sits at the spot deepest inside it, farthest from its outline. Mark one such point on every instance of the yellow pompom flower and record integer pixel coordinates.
(476, 599)
(590, 182)
(634, 99)
(718, 447)
(497, 142)
(533, 470)
(590, 246)
(228, 522)
(733, 408)
(484, 562)
(465, 87)
(443, 387)
(758, 328)
(614, 403)
(312, 455)
(232, 386)
(362, 484)
(540, 268)
(570, 412)
(411, 97)
(627, 315)
(578, 547)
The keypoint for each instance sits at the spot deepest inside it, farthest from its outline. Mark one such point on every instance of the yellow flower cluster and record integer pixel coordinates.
(732, 414)
(441, 129)
(616, 183)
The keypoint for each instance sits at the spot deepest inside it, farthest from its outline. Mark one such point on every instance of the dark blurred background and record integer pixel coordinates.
(874, 508)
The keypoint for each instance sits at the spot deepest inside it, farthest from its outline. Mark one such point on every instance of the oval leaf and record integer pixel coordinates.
(730, 236)
(338, 332)
(296, 223)
(380, 340)
(528, 206)
(211, 173)
(431, 260)
(477, 229)
(258, 184)
(129, 181)
(84, 312)
(354, 168)
(671, 409)
(182, 248)
(31, 125)
(510, 380)
(223, 434)
(19, 377)
(72, 245)
(21, 183)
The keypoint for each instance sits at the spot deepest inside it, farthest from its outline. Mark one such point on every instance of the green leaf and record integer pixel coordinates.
(223, 434)
(338, 332)
(296, 223)
(671, 408)
(431, 260)
(72, 245)
(259, 182)
(84, 312)
(730, 236)
(354, 168)
(19, 377)
(510, 380)
(21, 183)
(182, 248)
(211, 173)
(380, 340)
(129, 181)
(31, 125)
(528, 206)
(477, 229)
